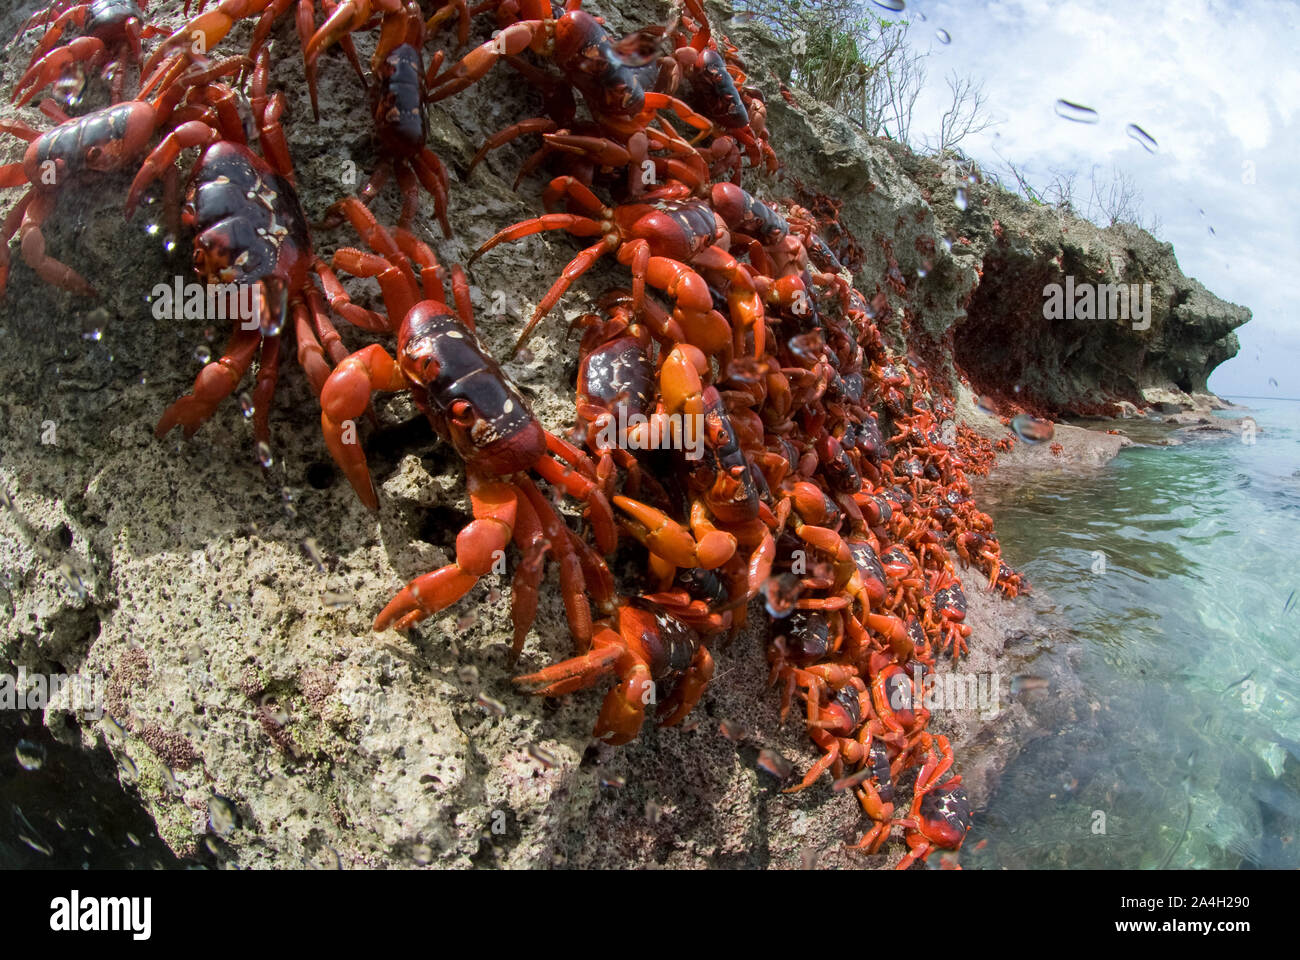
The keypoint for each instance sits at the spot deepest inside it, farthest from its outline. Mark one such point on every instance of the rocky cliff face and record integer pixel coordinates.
(1073, 354)
(223, 607)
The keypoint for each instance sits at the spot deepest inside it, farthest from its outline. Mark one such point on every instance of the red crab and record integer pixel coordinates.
(940, 816)
(209, 28)
(110, 38)
(100, 142)
(640, 644)
(250, 230)
(616, 87)
(662, 242)
(398, 98)
(472, 404)
(947, 610)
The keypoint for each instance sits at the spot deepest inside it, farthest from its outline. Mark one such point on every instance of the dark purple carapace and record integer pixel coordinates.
(838, 469)
(249, 224)
(722, 470)
(702, 584)
(98, 142)
(749, 215)
(807, 635)
(620, 377)
(950, 602)
(869, 568)
(399, 106)
(672, 648)
(947, 813)
(585, 51)
(898, 562)
(111, 19)
(878, 760)
(714, 93)
(870, 441)
(469, 400)
(679, 229)
(846, 698)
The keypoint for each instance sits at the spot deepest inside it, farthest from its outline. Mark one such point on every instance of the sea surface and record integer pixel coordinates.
(1179, 570)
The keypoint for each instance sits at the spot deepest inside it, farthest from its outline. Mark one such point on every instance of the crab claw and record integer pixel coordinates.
(666, 538)
(51, 66)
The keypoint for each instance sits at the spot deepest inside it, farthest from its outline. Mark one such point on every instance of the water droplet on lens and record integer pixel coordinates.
(313, 553)
(1141, 136)
(732, 730)
(129, 770)
(31, 756)
(541, 755)
(338, 599)
(202, 354)
(769, 761)
(943, 35)
(222, 816)
(1031, 429)
(73, 580)
(780, 593)
(1077, 112)
(897, 6)
(94, 323)
(959, 198)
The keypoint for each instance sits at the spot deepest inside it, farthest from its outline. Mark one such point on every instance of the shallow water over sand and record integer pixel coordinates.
(1176, 566)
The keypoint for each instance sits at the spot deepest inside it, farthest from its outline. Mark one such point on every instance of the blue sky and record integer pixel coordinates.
(1216, 84)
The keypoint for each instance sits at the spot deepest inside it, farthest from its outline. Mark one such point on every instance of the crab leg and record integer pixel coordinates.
(495, 506)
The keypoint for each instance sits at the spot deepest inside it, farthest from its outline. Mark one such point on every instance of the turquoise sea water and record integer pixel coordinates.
(1185, 748)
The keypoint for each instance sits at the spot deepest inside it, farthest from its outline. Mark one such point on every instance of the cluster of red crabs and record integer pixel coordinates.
(830, 485)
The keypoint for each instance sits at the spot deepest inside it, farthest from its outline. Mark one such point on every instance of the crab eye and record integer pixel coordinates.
(462, 413)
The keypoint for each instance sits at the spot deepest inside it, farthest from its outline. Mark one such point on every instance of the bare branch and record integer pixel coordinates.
(967, 113)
